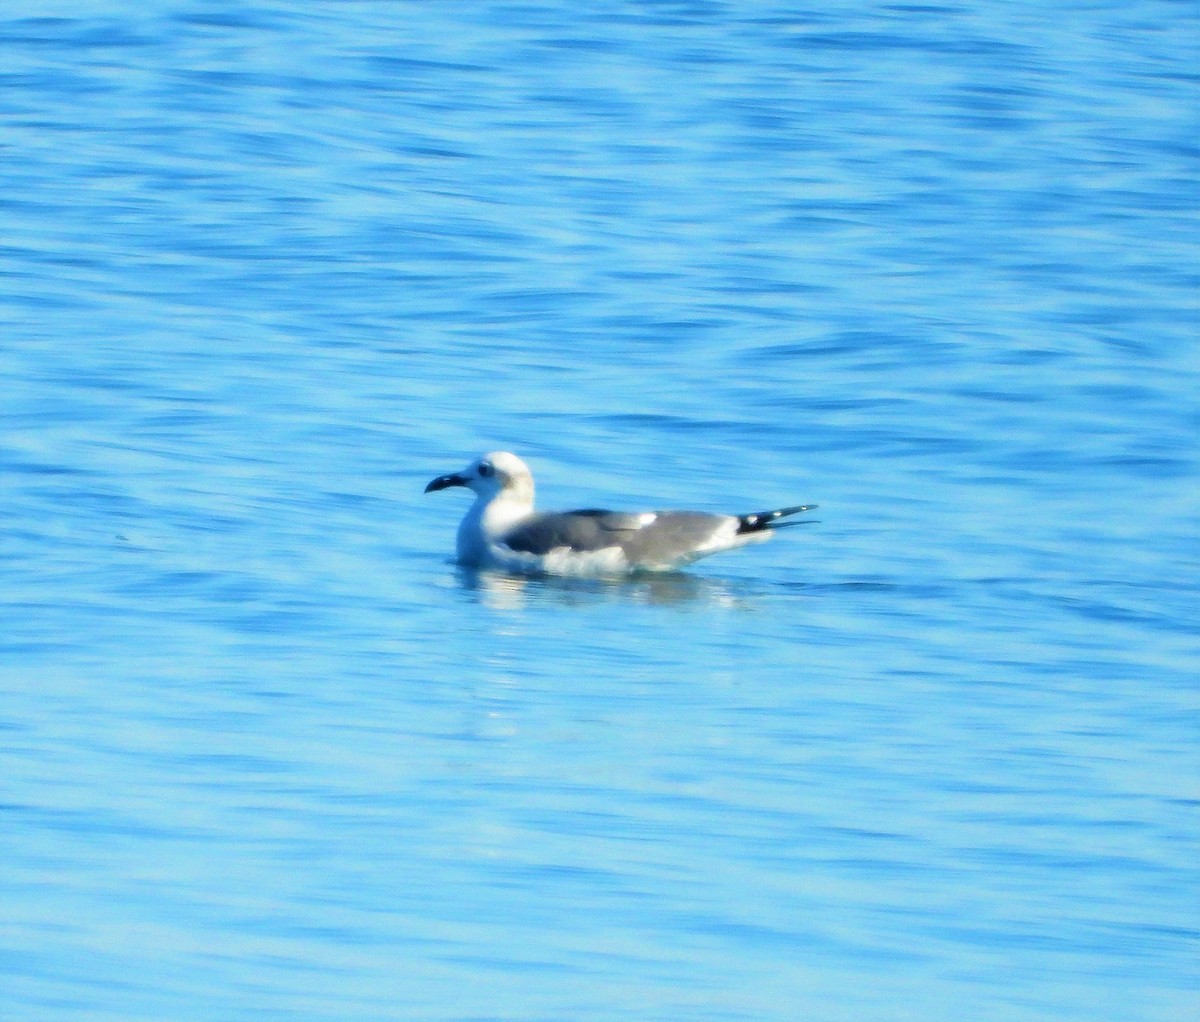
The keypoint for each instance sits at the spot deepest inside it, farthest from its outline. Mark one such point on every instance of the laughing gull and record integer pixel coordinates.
(501, 530)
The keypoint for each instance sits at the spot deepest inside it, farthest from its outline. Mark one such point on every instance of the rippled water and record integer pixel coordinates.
(267, 753)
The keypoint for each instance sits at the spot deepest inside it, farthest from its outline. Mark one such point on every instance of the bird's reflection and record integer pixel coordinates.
(659, 589)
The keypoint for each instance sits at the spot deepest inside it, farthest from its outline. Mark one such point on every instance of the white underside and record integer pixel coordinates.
(561, 561)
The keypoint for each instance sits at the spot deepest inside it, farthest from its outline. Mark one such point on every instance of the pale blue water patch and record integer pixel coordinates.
(268, 754)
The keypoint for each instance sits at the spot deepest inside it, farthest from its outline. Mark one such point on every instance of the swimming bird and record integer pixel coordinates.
(501, 530)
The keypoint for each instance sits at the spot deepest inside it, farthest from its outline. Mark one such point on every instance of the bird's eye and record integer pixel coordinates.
(485, 469)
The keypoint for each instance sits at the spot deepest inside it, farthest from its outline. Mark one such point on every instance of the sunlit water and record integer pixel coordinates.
(265, 271)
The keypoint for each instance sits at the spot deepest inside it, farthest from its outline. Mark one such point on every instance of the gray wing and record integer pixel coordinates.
(660, 538)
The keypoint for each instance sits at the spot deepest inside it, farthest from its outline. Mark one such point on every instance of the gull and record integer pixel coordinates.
(502, 531)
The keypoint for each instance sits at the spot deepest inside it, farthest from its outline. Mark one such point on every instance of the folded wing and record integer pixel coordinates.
(652, 539)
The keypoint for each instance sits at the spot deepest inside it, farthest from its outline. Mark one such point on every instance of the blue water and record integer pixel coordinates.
(265, 269)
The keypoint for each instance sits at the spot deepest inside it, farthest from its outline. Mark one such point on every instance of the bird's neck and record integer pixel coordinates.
(487, 519)
(502, 512)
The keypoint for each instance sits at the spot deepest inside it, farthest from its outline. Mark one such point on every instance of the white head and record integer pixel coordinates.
(492, 475)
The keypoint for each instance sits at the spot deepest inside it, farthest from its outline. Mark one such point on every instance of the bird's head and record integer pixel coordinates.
(491, 475)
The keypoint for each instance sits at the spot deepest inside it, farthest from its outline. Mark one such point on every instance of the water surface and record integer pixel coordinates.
(268, 754)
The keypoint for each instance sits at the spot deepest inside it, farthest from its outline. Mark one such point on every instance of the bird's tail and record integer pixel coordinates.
(761, 520)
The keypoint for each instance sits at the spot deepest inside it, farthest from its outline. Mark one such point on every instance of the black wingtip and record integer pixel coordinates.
(770, 519)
